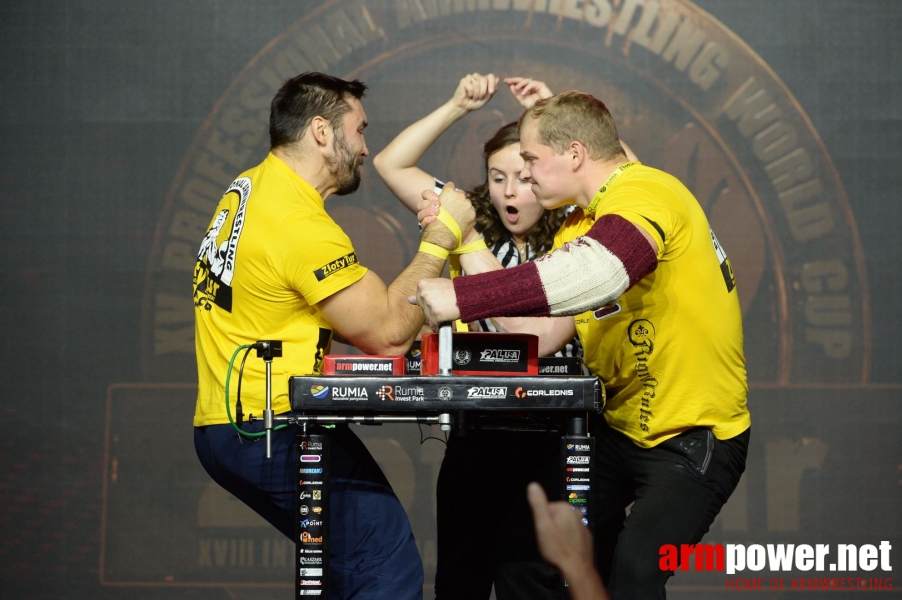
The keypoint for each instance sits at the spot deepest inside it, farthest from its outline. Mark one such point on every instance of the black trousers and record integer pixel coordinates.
(486, 533)
(676, 489)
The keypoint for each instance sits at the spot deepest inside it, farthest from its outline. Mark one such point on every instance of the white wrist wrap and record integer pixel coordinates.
(584, 275)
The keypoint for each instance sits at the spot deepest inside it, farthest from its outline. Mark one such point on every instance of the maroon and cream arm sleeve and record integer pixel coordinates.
(589, 272)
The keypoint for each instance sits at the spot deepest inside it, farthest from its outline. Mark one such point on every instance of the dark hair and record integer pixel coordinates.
(306, 96)
(488, 221)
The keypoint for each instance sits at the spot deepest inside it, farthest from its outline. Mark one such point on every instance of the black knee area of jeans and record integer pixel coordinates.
(637, 578)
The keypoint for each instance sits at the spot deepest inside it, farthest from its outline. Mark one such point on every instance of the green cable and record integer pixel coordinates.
(229, 409)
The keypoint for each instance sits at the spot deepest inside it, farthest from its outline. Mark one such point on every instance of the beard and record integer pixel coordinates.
(345, 167)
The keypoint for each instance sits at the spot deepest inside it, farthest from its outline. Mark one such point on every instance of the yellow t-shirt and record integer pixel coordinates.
(270, 255)
(669, 350)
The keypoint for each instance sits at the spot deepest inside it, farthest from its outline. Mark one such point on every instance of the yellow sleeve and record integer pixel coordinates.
(660, 218)
(321, 260)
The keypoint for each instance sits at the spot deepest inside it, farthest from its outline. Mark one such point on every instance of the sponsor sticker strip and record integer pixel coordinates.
(311, 516)
(413, 393)
(577, 456)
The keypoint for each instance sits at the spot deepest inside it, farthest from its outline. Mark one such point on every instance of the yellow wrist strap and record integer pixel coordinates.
(475, 246)
(434, 250)
(454, 262)
(448, 221)
(454, 266)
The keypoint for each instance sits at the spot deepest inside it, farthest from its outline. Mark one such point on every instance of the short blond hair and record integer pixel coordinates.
(576, 116)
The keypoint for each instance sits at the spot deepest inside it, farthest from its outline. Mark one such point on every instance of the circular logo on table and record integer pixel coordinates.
(462, 356)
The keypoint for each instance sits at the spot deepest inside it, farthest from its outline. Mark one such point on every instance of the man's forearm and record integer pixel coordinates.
(553, 335)
(483, 261)
(406, 319)
(589, 272)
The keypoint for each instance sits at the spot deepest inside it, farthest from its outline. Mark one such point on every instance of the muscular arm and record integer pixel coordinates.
(397, 163)
(379, 319)
(553, 332)
(589, 272)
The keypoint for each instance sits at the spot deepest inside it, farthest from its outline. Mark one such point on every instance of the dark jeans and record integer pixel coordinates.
(372, 552)
(486, 533)
(676, 489)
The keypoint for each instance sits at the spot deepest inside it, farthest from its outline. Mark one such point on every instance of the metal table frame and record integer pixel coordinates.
(443, 399)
